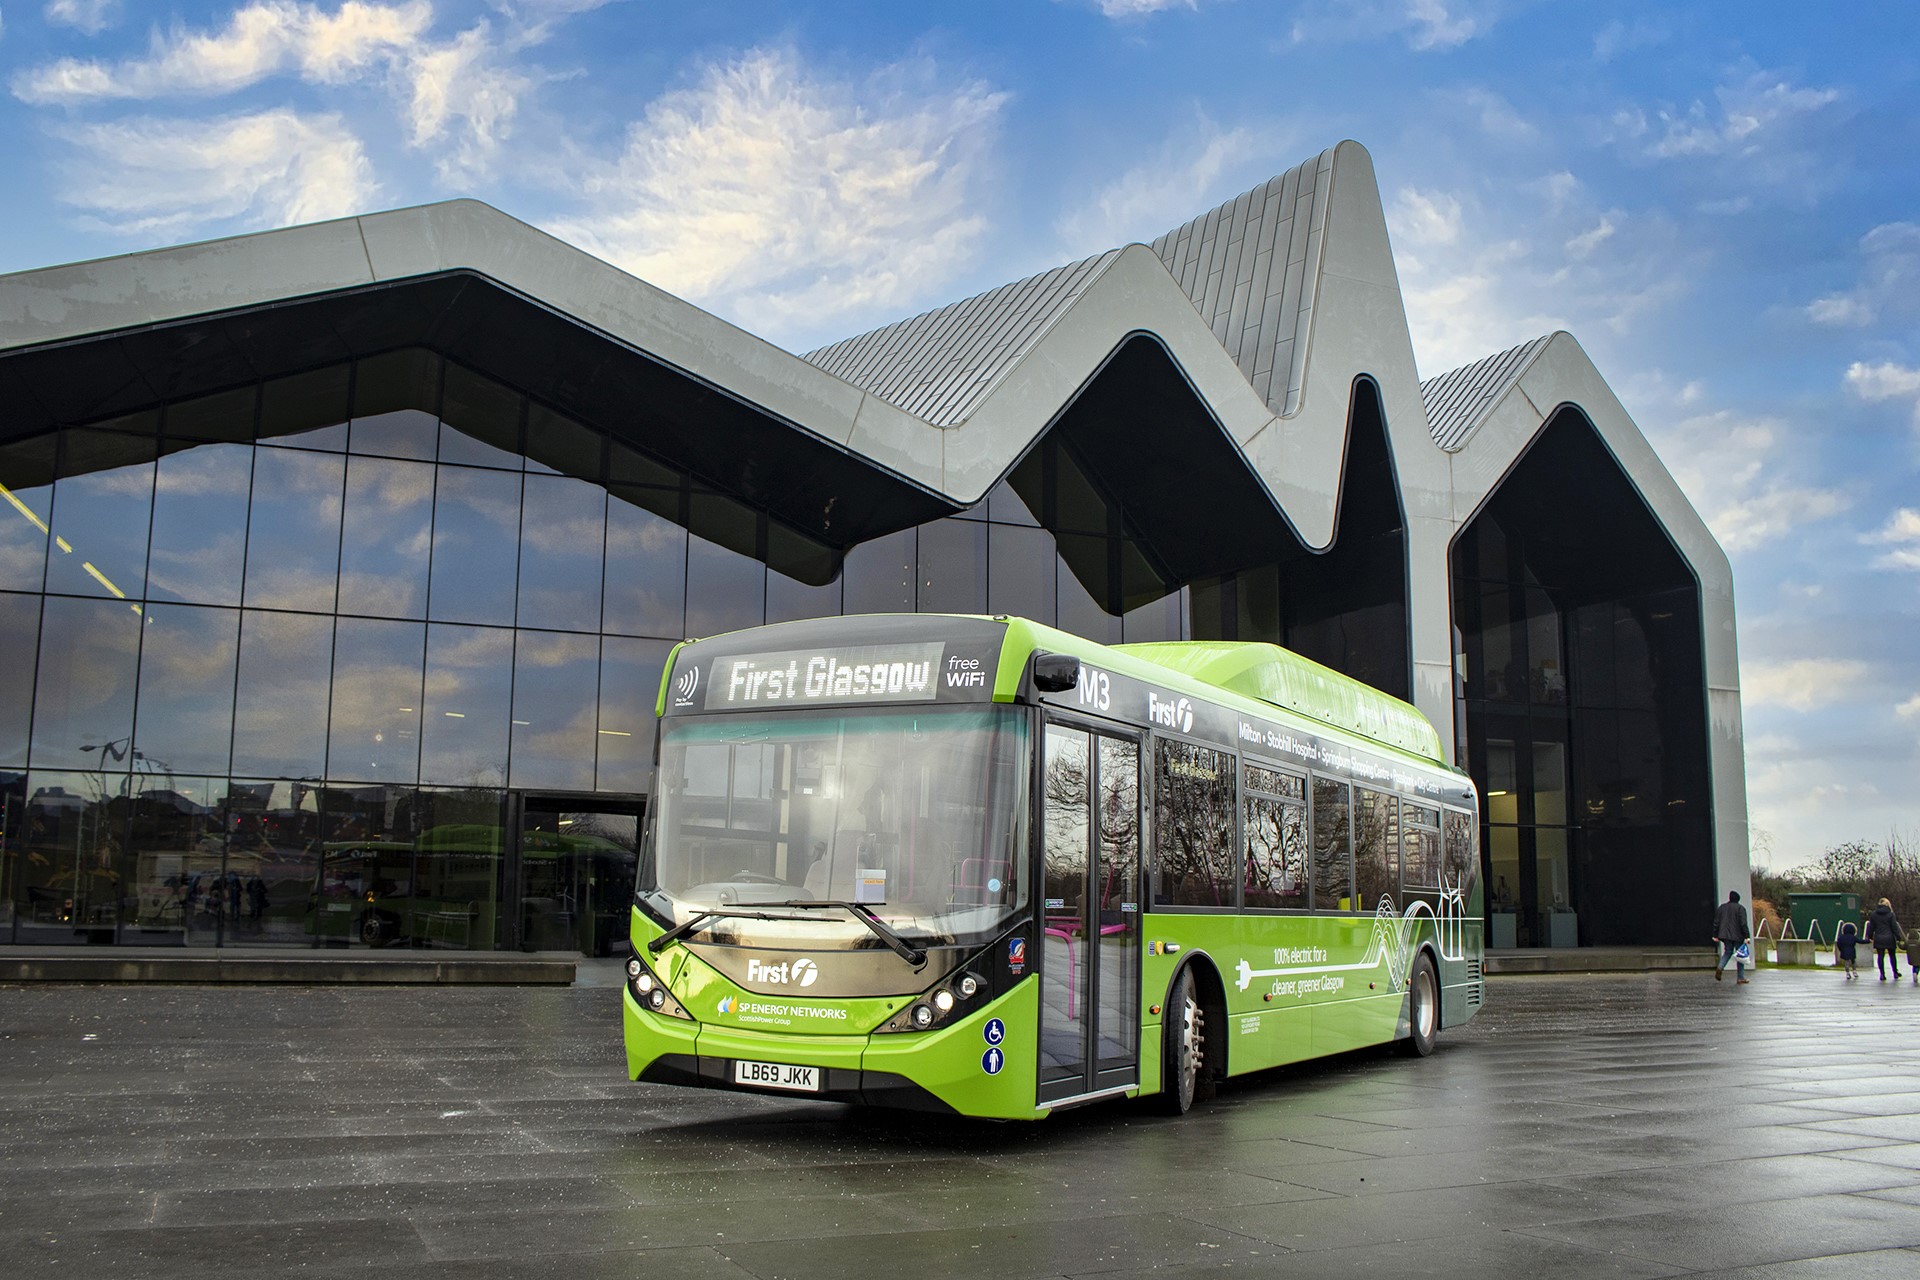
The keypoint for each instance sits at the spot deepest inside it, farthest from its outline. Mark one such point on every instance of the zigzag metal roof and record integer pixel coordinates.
(1457, 401)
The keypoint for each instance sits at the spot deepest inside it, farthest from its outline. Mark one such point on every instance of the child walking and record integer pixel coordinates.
(1846, 950)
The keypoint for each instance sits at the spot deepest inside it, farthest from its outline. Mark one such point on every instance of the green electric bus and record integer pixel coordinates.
(979, 865)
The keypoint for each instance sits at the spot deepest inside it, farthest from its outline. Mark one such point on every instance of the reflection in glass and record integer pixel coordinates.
(83, 696)
(68, 875)
(1376, 849)
(953, 567)
(395, 398)
(457, 889)
(1078, 610)
(227, 416)
(1550, 783)
(563, 533)
(200, 525)
(646, 577)
(1193, 831)
(293, 537)
(1332, 847)
(803, 581)
(181, 890)
(374, 731)
(1065, 832)
(476, 552)
(479, 421)
(19, 643)
(1276, 836)
(879, 575)
(555, 698)
(186, 688)
(26, 505)
(558, 445)
(102, 512)
(726, 582)
(280, 709)
(630, 672)
(273, 835)
(464, 728)
(1116, 903)
(385, 538)
(307, 410)
(1020, 572)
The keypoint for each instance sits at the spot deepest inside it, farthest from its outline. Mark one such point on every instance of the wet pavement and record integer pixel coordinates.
(1636, 1125)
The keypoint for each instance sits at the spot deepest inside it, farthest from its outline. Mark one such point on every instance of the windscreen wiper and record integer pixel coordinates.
(700, 920)
(860, 911)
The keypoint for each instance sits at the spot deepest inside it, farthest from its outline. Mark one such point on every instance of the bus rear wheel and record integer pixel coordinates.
(1423, 1008)
(1183, 1053)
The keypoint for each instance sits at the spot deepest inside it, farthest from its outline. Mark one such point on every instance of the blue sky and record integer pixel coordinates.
(1717, 199)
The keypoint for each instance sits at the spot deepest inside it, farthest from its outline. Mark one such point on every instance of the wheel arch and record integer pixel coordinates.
(1212, 991)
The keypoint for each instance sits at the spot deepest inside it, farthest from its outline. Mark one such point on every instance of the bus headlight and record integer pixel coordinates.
(656, 999)
(943, 1000)
(968, 984)
(922, 1016)
(635, 968)
(650, 993)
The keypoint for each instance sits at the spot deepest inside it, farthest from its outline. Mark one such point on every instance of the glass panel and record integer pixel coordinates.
(185, 720)
(83, 696)
(1546, 675)
(200, 525)
(1550, 783)
(1332, 847)
(558, 445)
(395, 399)
(186, 887)
(293, 535)
(629, 466)
(577, 868)
(469, 690)
(646, 578)
(225, 416)
(1004, 506)
(1117, 904)
(1193, 830)
(69, 866)
(1461, 867)
(274, 834)
(374, 732)
(630, 672)
(726, 583)
(1553, 892)
(19, 648)
(1420, 865)
(1503, 784)
(102, 513)
(280, 711)
(1020, 572)
(879, 574)
(308, 410)
(802, 579)
(1161, 619)
(1376, 849)
(479, 421)
(1066, 837)
(563, 537)
(368, 867)
(555, 697)
(386, 536)
(26, 505)
(953, 567)
(1503, 865)
(458, 899)
(1502, 680)
(1078, 610)
(476, 546)
(1078, 506)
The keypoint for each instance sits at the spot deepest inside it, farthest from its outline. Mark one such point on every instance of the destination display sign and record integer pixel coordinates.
(858, 674)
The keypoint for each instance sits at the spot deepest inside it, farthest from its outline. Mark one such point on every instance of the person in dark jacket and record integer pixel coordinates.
(1884, 932)
(1731, 932)
(1846, 950)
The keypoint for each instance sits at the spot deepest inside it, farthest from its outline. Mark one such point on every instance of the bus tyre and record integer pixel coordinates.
(1183, 1056)
(1423, 1008)
(373, 929)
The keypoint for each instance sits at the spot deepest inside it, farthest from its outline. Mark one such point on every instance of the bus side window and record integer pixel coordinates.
(1332, 846)
(1193, 827)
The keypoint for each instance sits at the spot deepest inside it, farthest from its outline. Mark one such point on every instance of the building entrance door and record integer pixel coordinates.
(576, 857)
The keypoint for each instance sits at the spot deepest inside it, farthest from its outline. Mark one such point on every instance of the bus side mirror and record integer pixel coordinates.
(1055, 672)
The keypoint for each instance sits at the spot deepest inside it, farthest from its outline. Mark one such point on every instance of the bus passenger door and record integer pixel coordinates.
(1090, 985)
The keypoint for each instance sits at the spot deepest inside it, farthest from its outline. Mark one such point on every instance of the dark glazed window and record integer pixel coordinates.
(280, 713)
(227, 416)
(479, 422)
(1462, 866)
(186, 688)
(19, 643)
(385, 538)
(560, 446)
(83, 697)
(395, 399)
(953, 567)
(555, 696)
(802, 579)
(1020, 572)
(726, 582)
(1078, 611)
(26, 469)
(293, 534)
(1193, 827)
(1420, 843)
(464, 725)
(1276, 837)
(879, 574)
(476, 545)
(1376, 848)
(630, 673)
(646, 578)
(563, 536)
(102, 512)
(308, 410)
(200, 525)
(1332, 847)
(374, 732)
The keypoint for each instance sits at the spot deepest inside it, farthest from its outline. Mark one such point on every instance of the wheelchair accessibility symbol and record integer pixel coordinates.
(995, 1031)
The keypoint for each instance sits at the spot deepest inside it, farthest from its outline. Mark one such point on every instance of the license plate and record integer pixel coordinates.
(777, 1075)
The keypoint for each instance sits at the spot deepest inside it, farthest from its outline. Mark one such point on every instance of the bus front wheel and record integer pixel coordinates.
(1423, 1008)
(1183, 1054)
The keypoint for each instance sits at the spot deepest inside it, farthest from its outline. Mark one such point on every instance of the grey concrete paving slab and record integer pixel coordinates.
(1633, 1125)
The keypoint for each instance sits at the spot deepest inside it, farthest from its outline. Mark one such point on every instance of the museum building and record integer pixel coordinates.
(340, 563)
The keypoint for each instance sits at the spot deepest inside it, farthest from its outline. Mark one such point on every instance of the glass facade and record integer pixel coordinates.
(367, 656)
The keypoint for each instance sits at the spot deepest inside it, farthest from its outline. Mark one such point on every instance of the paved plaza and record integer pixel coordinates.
(1632, 1125)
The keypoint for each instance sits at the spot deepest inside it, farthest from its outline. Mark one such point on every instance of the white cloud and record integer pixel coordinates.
(1166, 190)
(1619, 37)
(782, 198)
(271, 169)
(1136, 8)
(1733, 471)
(1423, 24)
(1889, 279)
(262, 40)
(464, 81)
(1902, 534)
(1761, 135)
(1425, 217)
(1883, 381)
(1803, 684)
(90, 16)
(1747, 112)
(1910, 709)
(1583, 245)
